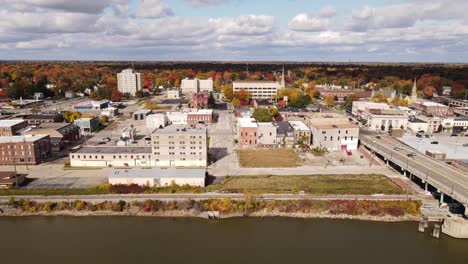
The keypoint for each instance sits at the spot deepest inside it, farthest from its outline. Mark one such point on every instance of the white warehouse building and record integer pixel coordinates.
(159, 177)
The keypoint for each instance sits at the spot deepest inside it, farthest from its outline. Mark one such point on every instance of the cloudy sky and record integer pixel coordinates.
(240, 30)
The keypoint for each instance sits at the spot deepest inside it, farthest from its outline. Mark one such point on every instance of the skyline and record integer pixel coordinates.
(236, 30)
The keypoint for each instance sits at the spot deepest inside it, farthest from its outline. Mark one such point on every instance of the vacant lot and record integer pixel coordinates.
(269, 158)
(317, 184)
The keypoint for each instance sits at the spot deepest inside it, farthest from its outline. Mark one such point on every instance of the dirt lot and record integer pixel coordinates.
(269, 158)
(316, 184)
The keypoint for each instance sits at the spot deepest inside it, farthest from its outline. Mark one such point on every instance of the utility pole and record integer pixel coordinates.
(16, 172)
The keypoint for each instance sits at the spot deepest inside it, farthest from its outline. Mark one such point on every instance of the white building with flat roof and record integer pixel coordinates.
(266, 133)
(302, 132)
(159, 177)
(191, 86)
(180, 146)
(258, 89)
(129, 82)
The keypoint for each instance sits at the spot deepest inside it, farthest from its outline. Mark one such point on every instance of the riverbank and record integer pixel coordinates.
(387, 211)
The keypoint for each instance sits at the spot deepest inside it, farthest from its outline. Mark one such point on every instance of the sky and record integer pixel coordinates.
(235, 30)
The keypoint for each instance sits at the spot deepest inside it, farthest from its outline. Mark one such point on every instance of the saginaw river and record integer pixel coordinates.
(113, 240)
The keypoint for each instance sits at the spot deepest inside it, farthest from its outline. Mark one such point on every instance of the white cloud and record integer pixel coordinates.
(80, 6)
(153, 9)
(327, 11)
(305, 22)
(206, 2)
(244, 25)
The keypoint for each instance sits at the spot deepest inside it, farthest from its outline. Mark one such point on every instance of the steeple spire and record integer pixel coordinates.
(283, 81)
(414, 92)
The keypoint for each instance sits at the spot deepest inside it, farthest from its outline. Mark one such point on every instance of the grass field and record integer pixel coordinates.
(269, 158)
(317, 184)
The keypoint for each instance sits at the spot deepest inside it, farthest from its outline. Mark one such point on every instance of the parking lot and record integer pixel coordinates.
(452, 146)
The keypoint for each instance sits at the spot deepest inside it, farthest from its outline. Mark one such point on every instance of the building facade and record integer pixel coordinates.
(129, 82)
(159, 177)
(24, 150)
(335, 135)
(267, 137)
(384, 120)
(433, 109)
(10, 127)
(37, 119)
(302, 132)
(111, 157)
(247, 129)
(191, 86)
(180, 146)
(258, 89)
(173, 94)
(87, 124)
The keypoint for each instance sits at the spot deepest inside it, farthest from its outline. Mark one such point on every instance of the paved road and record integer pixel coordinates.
(204, 196)
(446, 178)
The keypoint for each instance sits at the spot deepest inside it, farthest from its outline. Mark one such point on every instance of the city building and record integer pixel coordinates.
(91, 105)
(199, 100)
(434, 123)
(180, 146)
(302, 132)
(70, 94)
(284, 134)
(173, 94)
(334, 134)
(456, 124)
(191, 86)
(433, 109)
(61, 134)
(158, 120)
(341, 95)
(247, 132)
(141, 114)
(11, 127)
(261, 103)
(258, 89)
(24, 150)
(204, 116)
(159, 177)
(104, 156)
(360, 109)
(88, 124)
(385, 119)
(417, 125)
(460, 107)
(110, 112)
(266, 133)
(36, 119)
(129, 82)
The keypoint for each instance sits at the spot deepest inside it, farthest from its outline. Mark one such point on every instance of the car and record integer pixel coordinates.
(102, 142)
(454, 135)
(465, 145)
(397, 148)
(373, 141)
(106, 139)
(419, 135)
(434, 142)
(412, 154)
(427, 136)
(378, 137)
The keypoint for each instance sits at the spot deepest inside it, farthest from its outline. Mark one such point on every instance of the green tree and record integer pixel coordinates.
(301, 101)
(211, 101)
(139, 94)
(262, 115)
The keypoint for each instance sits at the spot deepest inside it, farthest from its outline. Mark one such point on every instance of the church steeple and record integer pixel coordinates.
(414, 92)
(283, 81)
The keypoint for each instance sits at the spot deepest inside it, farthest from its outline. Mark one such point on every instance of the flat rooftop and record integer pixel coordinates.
(299, 125)
(24, 138)
(114, 150)
(246, 122)
(340, 125)
(158, 173)
(10, 122)
(180, 129)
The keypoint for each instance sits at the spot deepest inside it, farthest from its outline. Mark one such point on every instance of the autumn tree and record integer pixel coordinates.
(242, 95)
(95, 95)
(379, 98)
(329, 100)
(211, 101)
(71, 116)
(228, 92)
(116, 95)
(429, 91)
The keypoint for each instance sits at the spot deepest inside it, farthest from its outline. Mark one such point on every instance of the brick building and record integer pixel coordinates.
(36, 119)
(24, 150)
(10, 127)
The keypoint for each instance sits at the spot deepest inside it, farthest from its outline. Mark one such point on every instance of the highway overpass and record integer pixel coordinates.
(447, 179)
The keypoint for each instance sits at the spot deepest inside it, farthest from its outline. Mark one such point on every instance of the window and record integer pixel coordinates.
(331, 138)
(324, 132)
(73, 156)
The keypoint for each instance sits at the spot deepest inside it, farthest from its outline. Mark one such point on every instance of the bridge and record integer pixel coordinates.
(445, 178)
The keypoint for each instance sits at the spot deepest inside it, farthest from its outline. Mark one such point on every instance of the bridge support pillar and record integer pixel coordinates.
(425, 187)
(386, 162)
(441, 198)
(466, 209)
(404, 173)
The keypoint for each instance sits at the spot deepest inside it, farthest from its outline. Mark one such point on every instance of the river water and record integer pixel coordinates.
(113, 240)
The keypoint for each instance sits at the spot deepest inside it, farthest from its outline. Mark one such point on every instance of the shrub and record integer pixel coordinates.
(124, 189)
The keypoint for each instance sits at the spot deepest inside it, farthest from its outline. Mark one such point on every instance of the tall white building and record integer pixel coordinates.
(260, 89)
(191, 86)
(129, 81)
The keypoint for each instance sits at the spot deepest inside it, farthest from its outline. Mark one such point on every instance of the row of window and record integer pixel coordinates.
(114, 157)
(180, 153)
(180, 137)
(180, 148)
(338, 138)
(339, 132)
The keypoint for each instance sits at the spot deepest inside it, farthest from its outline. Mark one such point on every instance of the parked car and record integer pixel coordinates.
(397, 148)
(378, 137)
(454, 135)
(427, 136)
(419, 135)
(434, 142)
(412, 154)
(106, 139)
